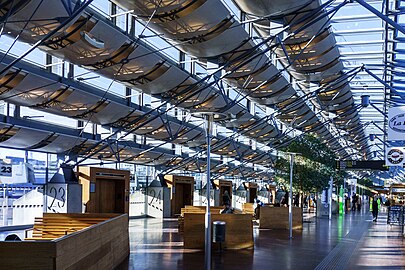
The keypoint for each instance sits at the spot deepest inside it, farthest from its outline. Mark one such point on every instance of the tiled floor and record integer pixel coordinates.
(348, 242)
(382, 247)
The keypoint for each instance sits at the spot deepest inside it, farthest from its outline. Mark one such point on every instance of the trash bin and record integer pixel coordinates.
(218, 231)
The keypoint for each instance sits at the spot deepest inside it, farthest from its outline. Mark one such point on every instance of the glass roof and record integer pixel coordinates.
(364, 39)
(371, 50)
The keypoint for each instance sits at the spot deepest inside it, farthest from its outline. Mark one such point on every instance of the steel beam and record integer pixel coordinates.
(383, 82)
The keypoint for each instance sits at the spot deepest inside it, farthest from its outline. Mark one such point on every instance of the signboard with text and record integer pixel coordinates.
(394, 156)
(6, 170)
(396, 124)
(378, 165)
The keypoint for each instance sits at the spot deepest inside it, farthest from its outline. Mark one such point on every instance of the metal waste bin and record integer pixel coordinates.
(218, 231)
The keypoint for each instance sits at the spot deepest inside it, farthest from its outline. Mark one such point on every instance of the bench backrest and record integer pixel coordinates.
(202, 209)
(54, 225)
(248, 208)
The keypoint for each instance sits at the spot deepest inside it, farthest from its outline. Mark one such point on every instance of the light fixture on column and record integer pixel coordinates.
(210, 117)
(365, 100)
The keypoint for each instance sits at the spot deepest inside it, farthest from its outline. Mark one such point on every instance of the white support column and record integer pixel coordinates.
(330, 197)
(209, 119)
(291, 194)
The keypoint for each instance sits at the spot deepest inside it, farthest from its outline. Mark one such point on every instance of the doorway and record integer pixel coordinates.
(111, 197)
(183, 197)
(252, 194)
(222, 191)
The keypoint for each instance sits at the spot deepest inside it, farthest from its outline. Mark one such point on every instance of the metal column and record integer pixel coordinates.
(330, 197)
(207, 261)
(290, 196)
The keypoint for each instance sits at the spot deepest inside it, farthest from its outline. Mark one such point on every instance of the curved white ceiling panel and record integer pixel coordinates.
(55, 139)
(61, 144)
(73, 101)
(272, 8)
(223, 43)
(186, 22)
(169, 80)
(110, 113)
(94, 45)
(101, 47)
(320, 58)
(25, 138)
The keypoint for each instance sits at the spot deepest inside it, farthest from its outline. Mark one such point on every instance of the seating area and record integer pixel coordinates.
(70, 241)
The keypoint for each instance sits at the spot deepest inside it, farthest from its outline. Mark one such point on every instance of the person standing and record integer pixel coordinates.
(354, 202)
(284, 200)
(347, 204)
(256, 206)
(359, 200)
(375, 208)
(226, 199)
(297, 200)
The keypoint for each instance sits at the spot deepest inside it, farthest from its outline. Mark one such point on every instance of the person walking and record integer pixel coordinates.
(375, 208)
(359, 201)
(354, 202)
(297, 200)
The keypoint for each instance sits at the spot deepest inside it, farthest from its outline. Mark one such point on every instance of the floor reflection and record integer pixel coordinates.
(155, 244)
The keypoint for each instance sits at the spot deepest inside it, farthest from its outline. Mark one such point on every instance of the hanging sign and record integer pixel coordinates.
(378, 165)
(396, 124)
(394, 156)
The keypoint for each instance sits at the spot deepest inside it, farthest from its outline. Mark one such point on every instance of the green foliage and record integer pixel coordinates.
(313, 149)
(312, 168)
(365, 182)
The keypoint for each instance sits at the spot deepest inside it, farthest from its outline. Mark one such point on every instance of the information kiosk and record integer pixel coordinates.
(181, 190)
(251, 193)
(104, 190)
(221, 186)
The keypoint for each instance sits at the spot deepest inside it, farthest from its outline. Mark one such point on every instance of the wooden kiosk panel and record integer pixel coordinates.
(223, 185)
(277, 218)
(252, 191)
(104, 190)
(181, 190)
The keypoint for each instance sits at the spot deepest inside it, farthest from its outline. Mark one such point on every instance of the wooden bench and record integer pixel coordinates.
(70, 241)
(277, 218)
(52, 226)
(238, 232)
